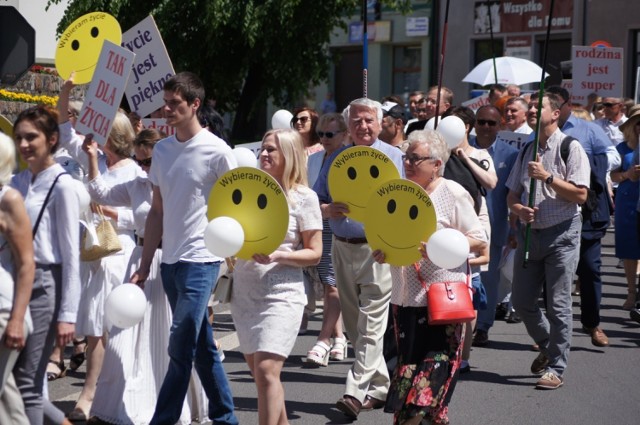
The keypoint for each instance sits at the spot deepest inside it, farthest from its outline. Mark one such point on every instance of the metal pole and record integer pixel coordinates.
(442, 56)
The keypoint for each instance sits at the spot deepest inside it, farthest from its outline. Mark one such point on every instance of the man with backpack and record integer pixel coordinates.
(550, 254)
(603, 157)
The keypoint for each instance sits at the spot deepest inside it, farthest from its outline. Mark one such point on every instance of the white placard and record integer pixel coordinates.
(105, 92)
(597, 70)
(477, 102)
(159, 124)
(417, 26)
(151, 68)
(517, 140)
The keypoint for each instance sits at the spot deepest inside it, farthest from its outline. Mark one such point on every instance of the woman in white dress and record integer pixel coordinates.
(17, 270)
(99, 277)
(136, 358)
(51, 200)
(268, 295)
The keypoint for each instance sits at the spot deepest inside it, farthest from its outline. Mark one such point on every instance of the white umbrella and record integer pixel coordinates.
(510, 71)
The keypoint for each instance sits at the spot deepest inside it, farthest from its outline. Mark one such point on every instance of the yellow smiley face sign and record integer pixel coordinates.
(257, 202)
(400, 215)
(80, 45)
(354, 173)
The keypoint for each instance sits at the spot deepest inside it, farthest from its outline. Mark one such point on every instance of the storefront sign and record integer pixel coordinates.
(522, 16)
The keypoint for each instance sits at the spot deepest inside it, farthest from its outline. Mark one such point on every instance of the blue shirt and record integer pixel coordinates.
(344, 226)
(504, 156)
(593, 139)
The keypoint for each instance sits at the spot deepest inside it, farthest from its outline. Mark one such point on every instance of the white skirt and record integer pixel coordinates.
(136, 361)
(98, 279)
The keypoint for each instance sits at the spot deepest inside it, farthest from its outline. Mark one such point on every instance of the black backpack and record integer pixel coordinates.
(458, 171)
(596, 211)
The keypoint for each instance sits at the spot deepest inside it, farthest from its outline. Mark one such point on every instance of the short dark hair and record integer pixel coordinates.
(559, 91)
(43, 118)
(187, 84)
(210, 118)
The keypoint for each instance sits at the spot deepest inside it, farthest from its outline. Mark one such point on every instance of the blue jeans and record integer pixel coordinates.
(188, 287)
(590, 281)
(553, 257)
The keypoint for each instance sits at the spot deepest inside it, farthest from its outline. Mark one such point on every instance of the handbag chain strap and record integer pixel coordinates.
(44, 205)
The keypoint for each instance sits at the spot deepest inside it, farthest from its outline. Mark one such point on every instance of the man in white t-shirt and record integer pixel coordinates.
(184, 169)
(614, 117)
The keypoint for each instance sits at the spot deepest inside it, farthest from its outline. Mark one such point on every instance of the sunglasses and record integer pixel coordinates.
(609, 104)
(415, 159)
(490, 123)
(303, 120)
(143, 162)
(328, 134)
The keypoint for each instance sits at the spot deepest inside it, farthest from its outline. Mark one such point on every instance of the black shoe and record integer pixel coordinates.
(501, 311)
(480, 339)
(635, 314)
(513, 317)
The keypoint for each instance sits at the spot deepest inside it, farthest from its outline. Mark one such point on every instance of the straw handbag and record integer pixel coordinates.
(108, 242)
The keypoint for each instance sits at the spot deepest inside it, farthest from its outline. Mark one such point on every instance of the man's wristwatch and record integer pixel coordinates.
(549, 179)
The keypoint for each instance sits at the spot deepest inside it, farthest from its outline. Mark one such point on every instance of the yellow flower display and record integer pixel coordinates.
(28, 98)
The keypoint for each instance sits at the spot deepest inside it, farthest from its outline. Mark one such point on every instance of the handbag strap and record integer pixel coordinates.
(416, 266)
(44, 205)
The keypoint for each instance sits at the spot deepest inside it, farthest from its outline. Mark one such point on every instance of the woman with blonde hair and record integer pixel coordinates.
(99, 277)
(268, 292)
(17, 270)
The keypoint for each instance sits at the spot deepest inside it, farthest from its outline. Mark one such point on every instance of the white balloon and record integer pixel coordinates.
(223, 236)
(125, 305)
(432, 123)
(281, 119)
(452, 129)
(448, 248)
(245, 157)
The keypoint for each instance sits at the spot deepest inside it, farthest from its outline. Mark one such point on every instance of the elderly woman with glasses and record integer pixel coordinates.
(428, 356)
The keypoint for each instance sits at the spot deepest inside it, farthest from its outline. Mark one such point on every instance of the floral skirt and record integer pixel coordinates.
(428, 362)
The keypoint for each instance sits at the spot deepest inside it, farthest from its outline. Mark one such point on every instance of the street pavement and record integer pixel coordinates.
(600, 384)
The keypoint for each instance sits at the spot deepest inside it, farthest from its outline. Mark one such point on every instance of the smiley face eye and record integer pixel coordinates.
(262, 201)
(75, 44)
(94, 32)
(391, 206)
(236, 196)
(351, 173)
(374, 171)
(413, 212)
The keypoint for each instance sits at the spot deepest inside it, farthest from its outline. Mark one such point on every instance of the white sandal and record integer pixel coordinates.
(319, 354)
(338, 350)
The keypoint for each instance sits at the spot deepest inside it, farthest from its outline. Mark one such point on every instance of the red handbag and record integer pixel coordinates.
(448, 302)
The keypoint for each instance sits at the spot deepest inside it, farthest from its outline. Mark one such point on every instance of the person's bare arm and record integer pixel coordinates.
(152, 236)
(19, 237)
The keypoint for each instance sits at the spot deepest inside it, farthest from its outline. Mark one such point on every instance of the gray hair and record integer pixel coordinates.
(435, 142)
(365, 102)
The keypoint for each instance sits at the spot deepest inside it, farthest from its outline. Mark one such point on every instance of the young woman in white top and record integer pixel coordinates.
(56, 287)
(17, 269)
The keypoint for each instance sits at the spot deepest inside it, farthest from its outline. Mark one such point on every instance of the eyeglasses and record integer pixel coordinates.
(428, 101)
(490, 123)
(609, 104)
(328, 134)
(303, 120)
(415, 159)
(143, 162)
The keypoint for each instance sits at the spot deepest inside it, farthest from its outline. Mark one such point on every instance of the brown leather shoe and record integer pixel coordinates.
(371, 403)
(598, 337)
(350, 406)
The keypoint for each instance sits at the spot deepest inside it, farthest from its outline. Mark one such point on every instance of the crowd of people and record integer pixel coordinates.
(548, 208)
